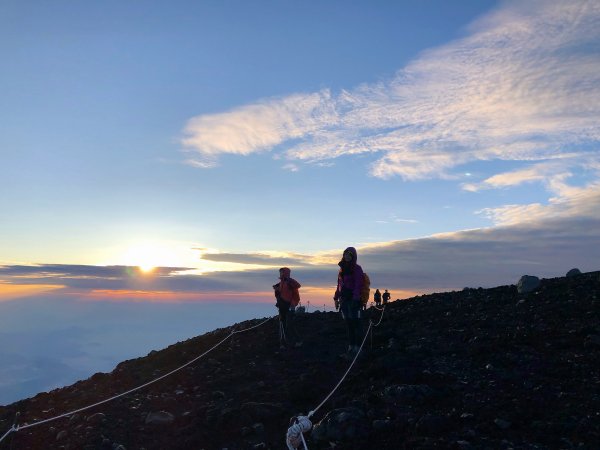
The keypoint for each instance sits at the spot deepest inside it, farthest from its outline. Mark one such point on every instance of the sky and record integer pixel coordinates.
(160, 162)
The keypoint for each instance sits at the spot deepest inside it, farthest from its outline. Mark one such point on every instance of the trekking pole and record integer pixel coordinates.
(280, 332)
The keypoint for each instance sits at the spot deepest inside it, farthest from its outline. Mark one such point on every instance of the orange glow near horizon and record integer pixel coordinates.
(14, 291)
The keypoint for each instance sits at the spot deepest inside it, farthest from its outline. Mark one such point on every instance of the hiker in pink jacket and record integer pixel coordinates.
(347, 296)
(288, 297)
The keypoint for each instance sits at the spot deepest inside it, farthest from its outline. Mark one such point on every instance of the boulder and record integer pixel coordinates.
(527, 283)
(573, 272)
(62, 435)
(96, 418)
(160, 418)
(342, 424)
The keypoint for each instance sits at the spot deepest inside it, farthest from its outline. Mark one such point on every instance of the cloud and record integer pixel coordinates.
(259, 127)
(544, 240)
(576, 202)
(54, 341)
(538, 172)
(523, 85)
(257, 258)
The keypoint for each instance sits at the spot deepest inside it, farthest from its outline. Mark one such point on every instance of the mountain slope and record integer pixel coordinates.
(479, 368)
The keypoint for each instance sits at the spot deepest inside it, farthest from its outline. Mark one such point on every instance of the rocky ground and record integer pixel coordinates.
(479, 368)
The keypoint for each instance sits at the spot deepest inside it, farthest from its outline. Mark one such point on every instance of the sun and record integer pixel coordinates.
(147, 256)
(147, 268)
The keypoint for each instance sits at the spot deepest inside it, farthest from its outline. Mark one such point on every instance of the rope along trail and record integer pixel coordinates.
(302, 424)
(17, 427)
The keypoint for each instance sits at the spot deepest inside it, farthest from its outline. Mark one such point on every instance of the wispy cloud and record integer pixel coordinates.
(576, 202)
(264, 259)
(291, 167)
(523, 85)
(259, 127)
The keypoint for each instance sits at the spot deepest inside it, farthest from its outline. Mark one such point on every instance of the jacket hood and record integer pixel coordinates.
(352, 251)
(285, 272)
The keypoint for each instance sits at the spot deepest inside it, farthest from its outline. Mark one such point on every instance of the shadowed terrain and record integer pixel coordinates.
(478, 368)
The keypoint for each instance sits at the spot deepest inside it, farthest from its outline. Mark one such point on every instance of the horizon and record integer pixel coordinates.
(173, 157)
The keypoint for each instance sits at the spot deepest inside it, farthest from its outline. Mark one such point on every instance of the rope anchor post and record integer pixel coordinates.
(295, 434)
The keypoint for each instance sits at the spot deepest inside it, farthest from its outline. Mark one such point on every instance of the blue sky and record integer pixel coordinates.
(453, 143)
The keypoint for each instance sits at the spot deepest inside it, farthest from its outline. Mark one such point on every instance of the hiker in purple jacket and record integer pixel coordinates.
(347, 296)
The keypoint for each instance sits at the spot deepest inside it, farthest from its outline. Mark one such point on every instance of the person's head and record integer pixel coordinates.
(284, 272)
(350, 255)
(386, 290)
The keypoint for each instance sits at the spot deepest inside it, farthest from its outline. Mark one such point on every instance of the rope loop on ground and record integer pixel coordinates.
(295, 433)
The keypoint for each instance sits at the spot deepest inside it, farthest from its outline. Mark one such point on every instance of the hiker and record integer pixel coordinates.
(386, 297)
(347, 296)
(288, 297)
(377, 297)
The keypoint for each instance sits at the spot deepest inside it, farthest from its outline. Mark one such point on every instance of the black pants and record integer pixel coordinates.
(351, 311)
(286, 318)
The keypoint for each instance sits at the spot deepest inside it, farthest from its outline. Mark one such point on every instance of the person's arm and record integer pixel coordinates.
(338, 289)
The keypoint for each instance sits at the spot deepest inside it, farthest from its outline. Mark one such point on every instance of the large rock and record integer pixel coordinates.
(573, 272)
(160, 418)
(342, 425)
(527, 283)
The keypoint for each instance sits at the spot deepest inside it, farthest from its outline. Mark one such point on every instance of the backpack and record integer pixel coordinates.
(366, 288)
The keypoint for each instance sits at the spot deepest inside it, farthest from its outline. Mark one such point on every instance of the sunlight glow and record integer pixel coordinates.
(147, 268)
(148, 255)
(12, 291)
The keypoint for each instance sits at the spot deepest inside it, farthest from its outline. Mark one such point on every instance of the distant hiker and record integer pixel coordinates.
(288, 297)
(386, 297)
(377, 297)
(348, 296)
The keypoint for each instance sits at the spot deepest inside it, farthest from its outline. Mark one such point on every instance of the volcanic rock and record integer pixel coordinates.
(503, 370)
(527, 283)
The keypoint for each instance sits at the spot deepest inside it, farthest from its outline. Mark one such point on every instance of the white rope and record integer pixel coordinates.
(136, 388)
(303, 441)
(312, 413)
(294, 435)
(380, 318)
(8, 432)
